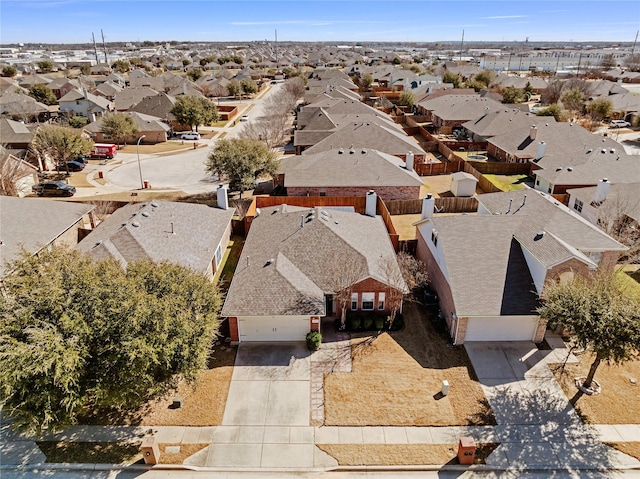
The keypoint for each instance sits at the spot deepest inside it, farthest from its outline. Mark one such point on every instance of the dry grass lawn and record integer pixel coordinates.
(79, 180)
(630, 448)
(400, 454)
(167, 146)
(404, 225)
(140, 196)
(618, 403)
(397, 377)
(111, 452)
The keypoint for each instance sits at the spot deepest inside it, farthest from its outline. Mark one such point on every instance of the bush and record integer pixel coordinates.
(355, 323)
(314, 339)
(379, 323)
(78, 121)
(367, 323)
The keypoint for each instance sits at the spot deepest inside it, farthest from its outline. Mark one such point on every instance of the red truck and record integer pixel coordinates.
(103, 150)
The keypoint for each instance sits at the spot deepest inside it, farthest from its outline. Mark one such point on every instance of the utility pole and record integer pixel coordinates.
(95, 48)
(579, 61)
(104, 47)
(633, 49)
(276, 48)
(461, 45)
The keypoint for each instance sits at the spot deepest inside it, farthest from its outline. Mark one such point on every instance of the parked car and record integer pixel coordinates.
(244, 118)
(53, 188)
(192, 135)
(75, 165)
(82, 159)
(619, 124)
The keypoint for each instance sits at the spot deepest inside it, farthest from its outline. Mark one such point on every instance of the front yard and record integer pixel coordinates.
(397, 377)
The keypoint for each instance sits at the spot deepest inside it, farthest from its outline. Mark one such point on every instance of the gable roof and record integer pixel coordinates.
(32, 224)
(499, 122)
(128, 97)
(158, 105)
(283, 266)
(75, 95)
(160, 231)
(624, 198)
(14, 132)
(143, 122)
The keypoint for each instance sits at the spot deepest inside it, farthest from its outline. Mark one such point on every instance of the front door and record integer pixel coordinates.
(329, 305)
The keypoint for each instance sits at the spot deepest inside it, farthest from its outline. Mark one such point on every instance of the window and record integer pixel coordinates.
(578, 206)
(381, 301)
(367, 301)
(354, 301)
(595, 256)
(537, 182)
(218, 255)
(434, 237)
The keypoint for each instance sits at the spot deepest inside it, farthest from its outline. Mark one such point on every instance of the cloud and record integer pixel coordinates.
(500, 17)
(308, 22)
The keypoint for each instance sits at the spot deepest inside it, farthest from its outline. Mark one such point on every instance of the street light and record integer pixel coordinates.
(139, 167)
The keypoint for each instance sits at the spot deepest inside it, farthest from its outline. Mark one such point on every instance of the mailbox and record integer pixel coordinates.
(466, 450)
(150, 450)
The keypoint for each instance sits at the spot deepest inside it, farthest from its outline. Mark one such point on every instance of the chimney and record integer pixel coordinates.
(372, 204)
(184, 88)
(542, 146)
(409, 161)
(84, 93)
(428, 205)
(602, 190)
(223, 199)
(533, 132)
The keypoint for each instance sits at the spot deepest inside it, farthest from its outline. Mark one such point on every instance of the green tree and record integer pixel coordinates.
(194, 74)
(78, 121)
(186, 62)
(85, 70)
(78, 334)
(9, 71)
(485, 77)
(249, 87)
(366, 81)
(573, 99)
(608, 62)
(475, 84)
(206, 60)
(45, 66)
(119, 126)
(194, 111)
(600, 108)
(553, 110)
(512, 95)
(241, 161)
(406, 99)
(453, 78)
(601, 316)
(43, 94)
(121, 66)
(234, 88)
(60, 144)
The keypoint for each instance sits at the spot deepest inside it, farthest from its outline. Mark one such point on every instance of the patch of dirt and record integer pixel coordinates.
(397, 378)
(618, 401)
(401, 454)
(186, 450)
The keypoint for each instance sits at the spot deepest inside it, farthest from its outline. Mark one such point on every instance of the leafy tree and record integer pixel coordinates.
(43, 94)
(573, 99)
(453, 78)
(78, 121)
(9, 71)
(599, 314)
(241, 161)
(194, 111)
(475, 84)
(553, 110)
(406, 99)
(136, 62)
(78, 335)
(249, 87)
(85, 70)
(512, 94)
(396, 61)
(608, 62)
(60, 143)
(186, 62)
(366, 81)
(206, 60)
(119, 126)
(121, 66)
(485, 77)
(528, 89)
(234, 87)
(194, 74)
(45, 66)
(600, 108)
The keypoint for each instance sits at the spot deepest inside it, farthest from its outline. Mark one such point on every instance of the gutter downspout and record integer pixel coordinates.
(454, 316)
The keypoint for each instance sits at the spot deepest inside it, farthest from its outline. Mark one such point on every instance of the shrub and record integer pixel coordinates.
(379, 323)
(367, 322)
(78, 121)
(314, 339)
(354, 323)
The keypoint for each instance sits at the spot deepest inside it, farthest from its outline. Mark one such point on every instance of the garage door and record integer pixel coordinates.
(273, 328)
(502, 328)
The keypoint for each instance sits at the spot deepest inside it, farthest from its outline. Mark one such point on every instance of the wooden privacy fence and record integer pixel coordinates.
(386, 217)
(358, 202)
(443, 205)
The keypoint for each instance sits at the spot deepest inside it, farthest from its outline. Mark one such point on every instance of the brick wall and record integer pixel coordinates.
(385, 192)
(233, 329)
(314, 323)
(572, 265)
(370, 285)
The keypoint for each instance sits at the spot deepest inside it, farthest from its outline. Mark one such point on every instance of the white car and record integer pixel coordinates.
(619, 124)
(244, 118)
(192, 135)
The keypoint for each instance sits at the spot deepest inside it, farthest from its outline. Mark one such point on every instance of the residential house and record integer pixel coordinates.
(350, 172)
(152, 128)
(292, 266)
(500, 122)
(490, 269)
(449, 111)
(22, 107)
(158, 105)
(23, 175)
(34, 224)
(164, 231)
(125, 100)
(15, 134)
(61, 86)
(85, 104)
(108, 90)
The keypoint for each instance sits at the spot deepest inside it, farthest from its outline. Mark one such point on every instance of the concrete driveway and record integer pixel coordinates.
(270, 386)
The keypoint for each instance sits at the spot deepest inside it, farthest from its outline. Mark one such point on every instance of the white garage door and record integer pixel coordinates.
(273, 328)
(502, 328)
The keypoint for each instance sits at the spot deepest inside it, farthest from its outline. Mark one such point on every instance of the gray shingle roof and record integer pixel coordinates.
(625, 198)
(165, 232)
(503, 121)
(33, 224)
(283, 266)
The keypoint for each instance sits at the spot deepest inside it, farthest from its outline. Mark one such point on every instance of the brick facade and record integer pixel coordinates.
(370, 285)
(314, 323)
(384, 192)
(233, 329)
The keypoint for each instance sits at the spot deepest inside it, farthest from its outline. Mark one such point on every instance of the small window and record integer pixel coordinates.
(537, 182)
(367, 301)
(381, 297)
(322, 193)
(354, 301)
(578, 206)
(218, 255)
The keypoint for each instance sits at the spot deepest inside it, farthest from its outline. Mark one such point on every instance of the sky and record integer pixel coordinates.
(73, 21)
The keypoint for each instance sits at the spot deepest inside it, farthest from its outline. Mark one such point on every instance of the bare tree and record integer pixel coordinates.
(393, 277)
(295, 86)
(414, 273)
(9, 168)
(613, 218)
(274, 129)
(344, 271)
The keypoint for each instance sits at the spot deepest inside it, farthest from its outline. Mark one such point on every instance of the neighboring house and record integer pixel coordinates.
(350, 172)
(449, 111)
(22, 107)
(127, 98)
(108, 89)
(15, 134)
(158, 105)
(153, 129)
(489, 269)
(293, 259)
(500, 122)
(85, 104)
(23, 175)
(195, 236)
(33, 224)
(62, 86)
(607, 202)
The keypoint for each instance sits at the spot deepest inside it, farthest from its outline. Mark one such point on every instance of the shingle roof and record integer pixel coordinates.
(33, 224)
(363, 167)
(283, 266)
(503, 121)
(164, 232)
(75, 95)
(625, 198)
(14, 132)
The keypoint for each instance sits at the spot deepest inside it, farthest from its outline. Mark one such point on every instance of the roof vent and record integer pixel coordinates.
(154, 204)
(351, 151)
(135, 224)
(589, 151)
(569, 168)
(539, 235)
(145, 214)
(559, 168)
(269, 261)
(340, 151)
(612, 150)
(603, 151)
(98, 243)
(364, 151)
